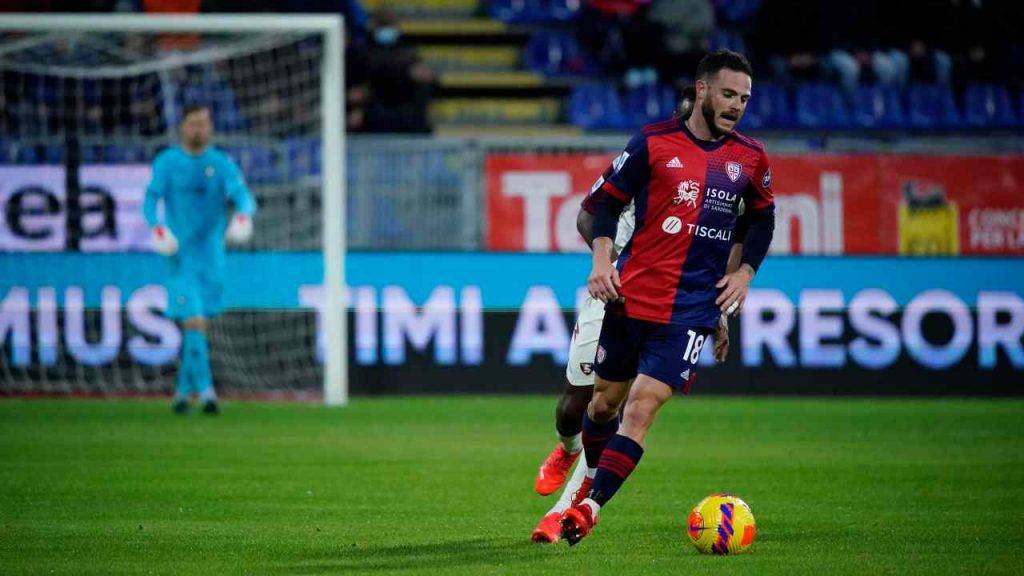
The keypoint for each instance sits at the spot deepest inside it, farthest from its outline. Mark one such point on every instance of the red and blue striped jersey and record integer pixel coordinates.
(687, 193)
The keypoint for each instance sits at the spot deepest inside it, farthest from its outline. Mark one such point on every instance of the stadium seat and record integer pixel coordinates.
(258, 163)
(821, 106)
(877, 107)
(768, 108)
(932, 107)
(597, 106)
(302, 154)
(556, 53)
(533, 11)
(722, 39)
(650, 103)
(988, 106)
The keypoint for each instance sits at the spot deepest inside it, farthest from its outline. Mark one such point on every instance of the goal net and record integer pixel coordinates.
(85, 105)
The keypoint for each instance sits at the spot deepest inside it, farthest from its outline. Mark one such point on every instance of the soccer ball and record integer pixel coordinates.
(721, 524)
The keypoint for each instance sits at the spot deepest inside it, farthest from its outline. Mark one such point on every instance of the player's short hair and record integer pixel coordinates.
(192, 109)
(723, 60)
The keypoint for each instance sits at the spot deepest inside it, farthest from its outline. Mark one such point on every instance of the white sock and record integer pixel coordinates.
(572, 444)
(594, 506)
(570, 488)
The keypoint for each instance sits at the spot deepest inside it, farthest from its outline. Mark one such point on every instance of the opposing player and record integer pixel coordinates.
(579, 374)
(670, 285)
(195, 180)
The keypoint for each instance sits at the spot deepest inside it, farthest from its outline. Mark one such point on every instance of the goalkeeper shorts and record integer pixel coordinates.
(190, 295)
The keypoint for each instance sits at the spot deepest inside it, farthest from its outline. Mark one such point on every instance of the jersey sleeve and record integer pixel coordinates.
(628, 174)
(236, 188)
(759, 194)
(156, 190)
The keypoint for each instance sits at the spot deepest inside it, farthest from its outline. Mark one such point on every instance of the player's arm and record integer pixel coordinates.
(163, 239)
(760, 215)
(628, 174)
(721, 350)
(240, 228)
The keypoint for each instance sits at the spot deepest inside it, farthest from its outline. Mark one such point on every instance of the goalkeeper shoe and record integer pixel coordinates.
(553, 471)
(577, 523)
(211, 407)
(180, 406)
(549, 529)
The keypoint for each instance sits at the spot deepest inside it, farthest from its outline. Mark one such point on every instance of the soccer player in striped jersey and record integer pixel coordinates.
(194, 181)
(579, 374)
(668, 288)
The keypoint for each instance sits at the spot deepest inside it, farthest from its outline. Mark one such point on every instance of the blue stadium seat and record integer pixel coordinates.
(878, 107)
(821, 106)
(650, 103)
(302, 154)
(533, 11)
(722, 39)
(736, 11)
(988, 106)
(932, 106)
(556, 53)
(768, 108)
(597, 106)
(258, 163)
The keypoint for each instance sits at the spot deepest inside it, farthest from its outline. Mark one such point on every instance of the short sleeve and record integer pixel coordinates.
(627, 176)
(759, 193)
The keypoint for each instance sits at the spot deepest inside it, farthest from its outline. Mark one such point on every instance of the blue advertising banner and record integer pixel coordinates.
(502, 322)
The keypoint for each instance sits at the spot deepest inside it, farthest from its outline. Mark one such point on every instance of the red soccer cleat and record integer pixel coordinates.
(549, 529)
(577, 522)
(581, 493)
(553, 471)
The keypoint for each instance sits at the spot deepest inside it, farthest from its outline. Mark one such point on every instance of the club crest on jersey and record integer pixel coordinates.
(687, 192)
(209, 171)
(733, 170)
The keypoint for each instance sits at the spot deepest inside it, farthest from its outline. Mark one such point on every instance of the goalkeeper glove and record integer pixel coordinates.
(164, 241)
(240, 229)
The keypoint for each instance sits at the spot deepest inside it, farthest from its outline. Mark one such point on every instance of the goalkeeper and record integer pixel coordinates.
(195, 180)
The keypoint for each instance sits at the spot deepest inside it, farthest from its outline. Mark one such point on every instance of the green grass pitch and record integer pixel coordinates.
(443, 485)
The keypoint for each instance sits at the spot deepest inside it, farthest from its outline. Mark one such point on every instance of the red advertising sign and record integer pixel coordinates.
(826, 204)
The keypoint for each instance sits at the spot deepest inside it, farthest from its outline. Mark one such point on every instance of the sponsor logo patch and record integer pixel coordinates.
(687, 192)
(618, 162)
(672, 225)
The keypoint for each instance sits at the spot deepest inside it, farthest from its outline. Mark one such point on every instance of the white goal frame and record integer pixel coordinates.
(329, 27)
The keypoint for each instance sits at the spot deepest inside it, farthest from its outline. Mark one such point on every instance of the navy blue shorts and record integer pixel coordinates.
(665, 352)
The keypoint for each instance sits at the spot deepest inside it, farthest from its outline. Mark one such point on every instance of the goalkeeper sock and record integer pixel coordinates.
(195, 360)
(184, 387)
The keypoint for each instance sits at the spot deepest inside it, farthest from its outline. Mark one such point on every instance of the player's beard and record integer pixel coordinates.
(708, 111)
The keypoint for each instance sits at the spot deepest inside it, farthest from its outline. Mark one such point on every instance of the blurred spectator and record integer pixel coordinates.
(171, 6)
(618, 33)
(790, 35)
(684, 26)
(57, 5)
(389, 86)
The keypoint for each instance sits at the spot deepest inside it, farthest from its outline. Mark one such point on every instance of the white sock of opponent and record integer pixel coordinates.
(572, 444)
(570, 488)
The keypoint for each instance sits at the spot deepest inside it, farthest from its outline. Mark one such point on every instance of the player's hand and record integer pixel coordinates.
(164, 241)
(722, 339)
(240, 229)
(603, 282)
(734, 288)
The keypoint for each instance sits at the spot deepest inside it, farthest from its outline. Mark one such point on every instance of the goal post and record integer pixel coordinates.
(115, 58)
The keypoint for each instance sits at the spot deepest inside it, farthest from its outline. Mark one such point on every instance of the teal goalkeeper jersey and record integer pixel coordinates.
(196, 191)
